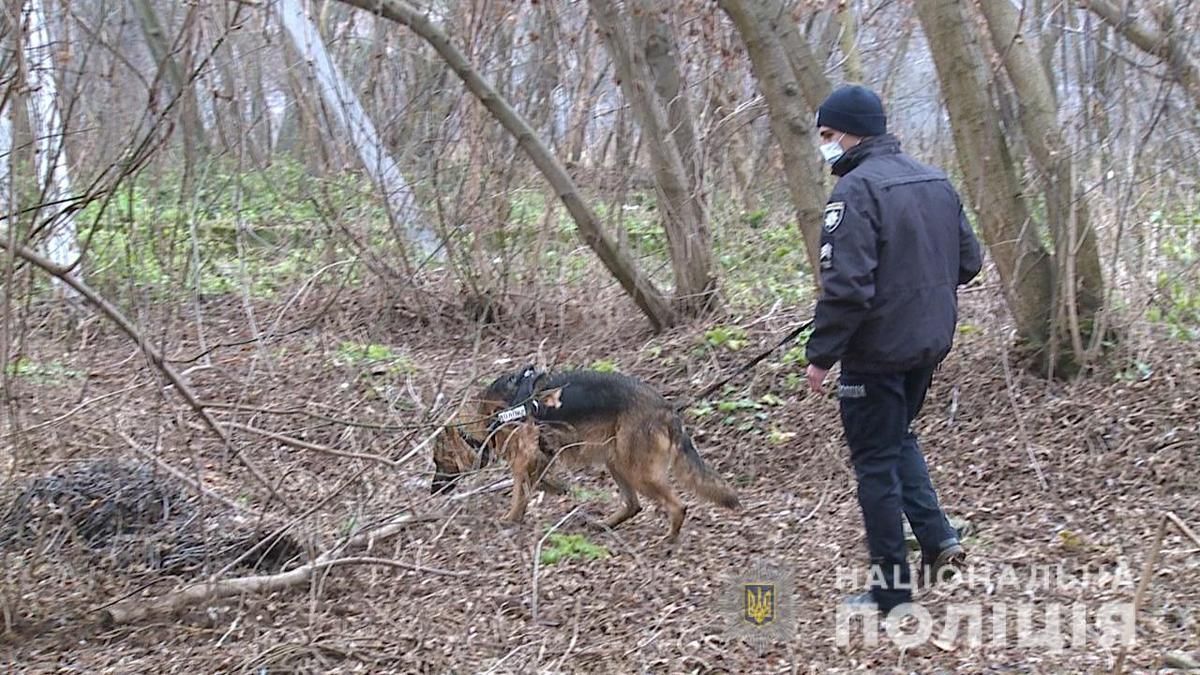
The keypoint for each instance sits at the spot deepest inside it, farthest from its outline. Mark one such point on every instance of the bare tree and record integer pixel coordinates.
(343, 104)
(684, 219)
(1079, 281)
(159, 45)
(1163, 42)
(49, 133)
(1008, 229)
(791, 119)
(848, 41)
(635, 282)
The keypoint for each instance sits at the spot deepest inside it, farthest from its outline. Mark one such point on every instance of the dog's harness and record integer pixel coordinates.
(523, 404)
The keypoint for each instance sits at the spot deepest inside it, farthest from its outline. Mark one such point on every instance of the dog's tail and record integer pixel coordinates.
(697, 475)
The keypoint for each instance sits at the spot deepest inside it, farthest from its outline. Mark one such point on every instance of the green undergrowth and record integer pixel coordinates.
(1176, 304)
(260, 230)
(560, 547)
(374, 357)
(758, 254)
(263, 231)
(40, 372)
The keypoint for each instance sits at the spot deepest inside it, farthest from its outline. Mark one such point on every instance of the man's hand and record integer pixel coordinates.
(816, 378)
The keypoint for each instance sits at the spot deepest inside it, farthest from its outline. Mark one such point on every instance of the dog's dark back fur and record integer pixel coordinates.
(595, 418)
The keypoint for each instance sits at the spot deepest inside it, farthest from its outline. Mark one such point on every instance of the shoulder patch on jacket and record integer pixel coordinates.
(833, 215)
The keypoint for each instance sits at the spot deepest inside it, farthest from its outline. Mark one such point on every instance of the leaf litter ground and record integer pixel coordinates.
(1047, 475)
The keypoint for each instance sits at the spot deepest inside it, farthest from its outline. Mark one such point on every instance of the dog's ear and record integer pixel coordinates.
(551, 398)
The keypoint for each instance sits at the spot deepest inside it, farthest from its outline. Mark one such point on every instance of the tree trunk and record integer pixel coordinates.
(899, 57)
(848, 42)
(618, 262)
(582, 104)
(791, 121)
(49, 132)
(729, 137)
(1182, 65)
(343, 104)
(1004, 218)
(156, 40)
(1066, 209)
(814, 85)
(684, 219)
(660, 48)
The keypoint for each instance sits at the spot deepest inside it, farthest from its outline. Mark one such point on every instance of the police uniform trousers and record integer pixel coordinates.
(877, 411)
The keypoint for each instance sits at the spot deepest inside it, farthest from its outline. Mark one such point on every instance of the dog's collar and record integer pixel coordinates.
(515, 413)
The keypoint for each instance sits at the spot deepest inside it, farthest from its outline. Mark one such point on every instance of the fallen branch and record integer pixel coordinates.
(1143, 584)
(494, 487)
(135, 610)
(154, 356)
(1183, 528)
(72, 411)
(202, 592)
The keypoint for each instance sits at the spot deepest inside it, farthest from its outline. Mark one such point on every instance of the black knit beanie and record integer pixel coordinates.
(855, 110)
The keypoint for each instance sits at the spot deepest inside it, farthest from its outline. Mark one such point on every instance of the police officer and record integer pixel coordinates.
(895, 245)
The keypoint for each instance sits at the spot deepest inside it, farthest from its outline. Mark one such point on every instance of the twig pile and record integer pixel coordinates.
(132, 517)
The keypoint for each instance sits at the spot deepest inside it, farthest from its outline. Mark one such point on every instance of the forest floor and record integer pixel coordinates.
(1071, 476)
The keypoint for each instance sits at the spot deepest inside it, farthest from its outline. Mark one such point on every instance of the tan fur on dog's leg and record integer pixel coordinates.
(656, 486)
(520, 497)
(631, 506)
(521, 447)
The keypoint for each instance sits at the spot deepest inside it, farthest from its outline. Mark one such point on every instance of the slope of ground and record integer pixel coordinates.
(1067, 476)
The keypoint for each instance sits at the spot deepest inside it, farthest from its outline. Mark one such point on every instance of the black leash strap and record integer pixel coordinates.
(792, 335)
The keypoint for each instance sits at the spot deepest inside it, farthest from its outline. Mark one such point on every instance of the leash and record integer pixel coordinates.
(791, 335)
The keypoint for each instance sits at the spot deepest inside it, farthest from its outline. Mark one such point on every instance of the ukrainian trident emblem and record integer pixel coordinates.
(758, 605)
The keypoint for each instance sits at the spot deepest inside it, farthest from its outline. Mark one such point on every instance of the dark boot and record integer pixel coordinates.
(941, 566)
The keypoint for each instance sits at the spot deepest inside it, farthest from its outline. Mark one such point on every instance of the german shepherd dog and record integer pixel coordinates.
(582, 418)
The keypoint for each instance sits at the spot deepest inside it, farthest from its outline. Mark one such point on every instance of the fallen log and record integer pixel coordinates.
(130, 611)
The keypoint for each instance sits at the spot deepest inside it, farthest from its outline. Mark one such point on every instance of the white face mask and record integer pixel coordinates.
(832, 150)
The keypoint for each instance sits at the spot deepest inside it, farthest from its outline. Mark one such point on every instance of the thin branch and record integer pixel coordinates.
(537, 558)
(189, 481)
(155, 357)
(305, 445)
(1161, 44)
(1187, 531)
(73, 411)
(1143, 585)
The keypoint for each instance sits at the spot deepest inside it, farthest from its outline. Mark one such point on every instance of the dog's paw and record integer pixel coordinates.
(668, 545)
(510, 522)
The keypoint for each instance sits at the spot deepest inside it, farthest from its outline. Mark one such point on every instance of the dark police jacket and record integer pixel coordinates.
(895, 245)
